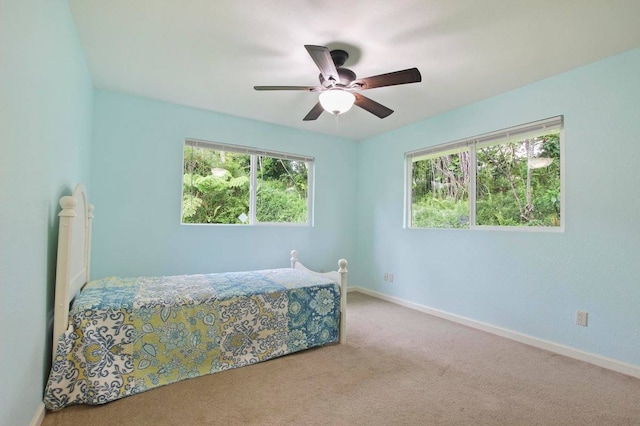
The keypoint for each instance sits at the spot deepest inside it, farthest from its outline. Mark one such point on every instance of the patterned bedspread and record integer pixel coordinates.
(128, 335)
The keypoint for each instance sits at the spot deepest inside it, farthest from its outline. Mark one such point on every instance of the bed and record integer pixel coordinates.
(115, 337)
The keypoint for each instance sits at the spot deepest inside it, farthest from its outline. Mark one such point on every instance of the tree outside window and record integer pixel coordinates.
(225, 184)
(510, 178)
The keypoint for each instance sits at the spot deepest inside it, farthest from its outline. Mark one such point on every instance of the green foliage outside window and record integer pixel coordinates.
(216, 188)
(282, 190)
(517, 184)
(441, 191)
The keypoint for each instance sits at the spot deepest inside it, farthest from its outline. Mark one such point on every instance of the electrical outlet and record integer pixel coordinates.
(581, 318)
(390, 278)
(386, 276)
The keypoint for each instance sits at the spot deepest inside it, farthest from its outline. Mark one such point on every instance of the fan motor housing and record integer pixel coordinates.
(339, 57)
(346, 77)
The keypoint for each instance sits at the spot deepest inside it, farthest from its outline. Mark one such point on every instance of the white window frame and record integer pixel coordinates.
(515, 133)
(253, 185)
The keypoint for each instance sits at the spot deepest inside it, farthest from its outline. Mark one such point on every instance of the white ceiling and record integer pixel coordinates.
(210, 53)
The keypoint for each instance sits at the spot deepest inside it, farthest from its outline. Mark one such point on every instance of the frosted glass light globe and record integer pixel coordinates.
(337, 101)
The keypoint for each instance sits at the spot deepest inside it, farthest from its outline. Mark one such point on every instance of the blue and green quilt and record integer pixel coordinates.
(128, 335)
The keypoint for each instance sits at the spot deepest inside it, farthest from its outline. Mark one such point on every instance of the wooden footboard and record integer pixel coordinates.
(340, 277)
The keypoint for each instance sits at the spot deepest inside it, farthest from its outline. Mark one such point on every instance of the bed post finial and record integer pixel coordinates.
(294, 258)
(68, 204)
(342, 263)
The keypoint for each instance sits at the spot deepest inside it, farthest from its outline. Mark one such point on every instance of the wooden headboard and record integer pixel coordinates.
(74, 248)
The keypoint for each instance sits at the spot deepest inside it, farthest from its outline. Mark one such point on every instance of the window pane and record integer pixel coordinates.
(518, 183)
(282, 190)
(440, 191)
(215, 186)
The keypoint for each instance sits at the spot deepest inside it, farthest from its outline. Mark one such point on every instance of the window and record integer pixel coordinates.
(510, 178)
(229, 184)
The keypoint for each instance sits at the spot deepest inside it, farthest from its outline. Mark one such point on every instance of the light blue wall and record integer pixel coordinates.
(527, 282)
(136, 179)
(45, 132)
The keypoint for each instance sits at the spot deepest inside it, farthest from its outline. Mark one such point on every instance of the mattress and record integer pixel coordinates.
(128, 335)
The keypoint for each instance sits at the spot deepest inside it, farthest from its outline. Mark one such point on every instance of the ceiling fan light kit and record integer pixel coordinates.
(340, 89)
(336, 101)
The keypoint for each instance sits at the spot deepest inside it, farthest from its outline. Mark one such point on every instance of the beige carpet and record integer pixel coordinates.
(400, 367)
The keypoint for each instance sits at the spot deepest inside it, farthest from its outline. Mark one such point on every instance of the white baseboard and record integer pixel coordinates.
(38, 417)
(600, 361)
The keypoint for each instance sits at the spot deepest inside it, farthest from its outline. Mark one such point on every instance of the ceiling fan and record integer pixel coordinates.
(340, 89)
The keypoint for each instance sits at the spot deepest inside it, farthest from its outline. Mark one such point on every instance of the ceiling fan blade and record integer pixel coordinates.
(411, 75)
(314, 113)
(307, 88)
(372, 106)
(322, 57)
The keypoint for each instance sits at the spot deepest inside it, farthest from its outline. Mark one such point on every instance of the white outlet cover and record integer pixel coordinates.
(582, 318)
